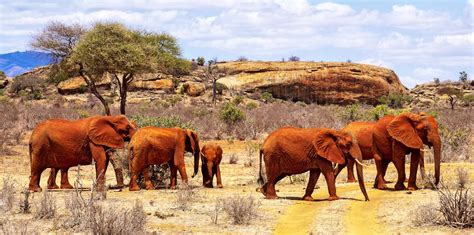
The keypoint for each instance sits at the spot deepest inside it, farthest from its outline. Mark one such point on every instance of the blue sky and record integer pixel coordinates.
(419, 40)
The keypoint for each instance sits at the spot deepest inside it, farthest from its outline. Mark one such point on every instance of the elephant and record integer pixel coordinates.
(211, 156)
(391, 138)
(155, 145)
(290, 150)
(61, 144)
(64, 174)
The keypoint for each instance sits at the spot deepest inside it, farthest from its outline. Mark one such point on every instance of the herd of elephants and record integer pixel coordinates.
(60, 144)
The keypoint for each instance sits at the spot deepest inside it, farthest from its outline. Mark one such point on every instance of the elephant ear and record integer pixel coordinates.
(102, 132)
(192, 139)
(325, 145)
(402, 130)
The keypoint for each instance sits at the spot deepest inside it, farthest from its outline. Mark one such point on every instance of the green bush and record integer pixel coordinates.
(351, 113)
(251, 105)
(230, 113)
(238, 100)
(220, 88)
(378, 112)
(395, 99)
(36, 95)
(172, 121)
(267, 97)
(200, 61)
(27, 82)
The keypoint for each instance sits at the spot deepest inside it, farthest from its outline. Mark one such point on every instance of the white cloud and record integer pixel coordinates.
(405, 37)
(376, 62)
(430, 73)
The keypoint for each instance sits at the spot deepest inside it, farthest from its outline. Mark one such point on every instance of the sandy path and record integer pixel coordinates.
(300, 216)
(365, 213)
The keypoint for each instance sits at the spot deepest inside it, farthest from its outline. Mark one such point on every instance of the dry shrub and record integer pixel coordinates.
(462, 177)
(98, 217)
(457, 207)
(426, 215)
(241, 210)
(429, 181)
(185, 197)
(456, 130)
(7, 196)
(14, 227)
(162, 215)
(25, 205)
(215, 211)
(233, 159)
(47, 206)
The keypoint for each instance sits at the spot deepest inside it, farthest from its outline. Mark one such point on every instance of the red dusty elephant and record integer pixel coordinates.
(290, 150)
(211, 156)
(154, 145)
(391, 138)
(61, 144)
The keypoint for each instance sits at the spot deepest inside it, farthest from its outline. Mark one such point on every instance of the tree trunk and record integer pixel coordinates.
(214, 89)
(93, 90)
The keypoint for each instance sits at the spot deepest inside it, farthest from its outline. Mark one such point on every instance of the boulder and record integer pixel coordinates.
(430, 94)
(312, 82)
(194, 88)
(78, 85)
(162, 84)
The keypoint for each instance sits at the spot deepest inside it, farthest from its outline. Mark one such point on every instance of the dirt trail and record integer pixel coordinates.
(365, 213)
(299, 217)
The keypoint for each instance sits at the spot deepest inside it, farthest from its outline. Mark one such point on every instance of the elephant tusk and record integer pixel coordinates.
(424, 150)
(202, 154)
(360, 163)
(335, 166)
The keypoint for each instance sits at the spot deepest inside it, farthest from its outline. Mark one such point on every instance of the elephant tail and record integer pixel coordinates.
(30, 150)
(260, 180)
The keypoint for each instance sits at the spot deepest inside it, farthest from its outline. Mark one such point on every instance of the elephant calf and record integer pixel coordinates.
(155, 146)
(211, 156)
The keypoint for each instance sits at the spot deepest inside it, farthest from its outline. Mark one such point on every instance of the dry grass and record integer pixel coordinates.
(25, 205)
(46, 209)
(240, 209)
(426, 215)
(14, 227)
(233, 159)
(7, 195)
(185, 197)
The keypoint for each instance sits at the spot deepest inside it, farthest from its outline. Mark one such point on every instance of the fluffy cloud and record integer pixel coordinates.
(405, 37)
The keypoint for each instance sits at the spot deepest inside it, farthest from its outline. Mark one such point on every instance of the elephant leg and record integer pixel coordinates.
(350, 171)
(399, 162)
(134, 174)
(182, 173)
(65, 180)
(218, 176)
(146, 175)
(379, 182)
(210, 172)
(118, 171)
(35, 180)
(52, 179)
(205, 174)
(331, 181)
(269, 187)
(174, 175)
(313, 179)
(415, 160)
(384, 169)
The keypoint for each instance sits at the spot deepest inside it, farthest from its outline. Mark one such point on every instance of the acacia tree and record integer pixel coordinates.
(454, 95)
(110, 49)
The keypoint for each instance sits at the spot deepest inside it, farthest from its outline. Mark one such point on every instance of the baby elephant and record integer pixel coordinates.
(211, 156)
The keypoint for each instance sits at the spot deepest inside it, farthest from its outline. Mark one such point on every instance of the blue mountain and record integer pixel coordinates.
(16, 63)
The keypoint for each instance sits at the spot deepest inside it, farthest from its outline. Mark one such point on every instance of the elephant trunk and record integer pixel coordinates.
(437, 158)
(197, 154)
(360, 178)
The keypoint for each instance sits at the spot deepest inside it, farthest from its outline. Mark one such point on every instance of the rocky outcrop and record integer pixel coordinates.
(194, 88)
(432, 94)
(312, 82)
(77, 85)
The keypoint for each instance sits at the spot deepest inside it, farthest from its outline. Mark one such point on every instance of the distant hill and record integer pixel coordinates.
(16, 63)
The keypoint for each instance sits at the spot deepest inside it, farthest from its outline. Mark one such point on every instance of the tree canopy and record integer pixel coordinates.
(113, 49)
